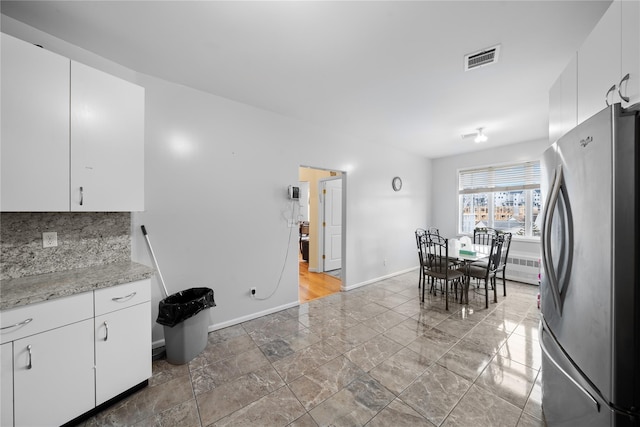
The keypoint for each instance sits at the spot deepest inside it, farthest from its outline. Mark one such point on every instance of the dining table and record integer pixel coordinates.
(468, 254)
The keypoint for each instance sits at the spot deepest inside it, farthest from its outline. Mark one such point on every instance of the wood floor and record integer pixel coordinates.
(316, 285)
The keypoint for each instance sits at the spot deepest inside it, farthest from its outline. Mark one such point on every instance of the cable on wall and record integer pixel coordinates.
(286, 256)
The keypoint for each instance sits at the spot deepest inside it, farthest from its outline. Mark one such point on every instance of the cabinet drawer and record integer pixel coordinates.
(32, 319)
(122, 296)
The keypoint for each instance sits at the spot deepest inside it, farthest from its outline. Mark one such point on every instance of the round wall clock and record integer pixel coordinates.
(396, 183)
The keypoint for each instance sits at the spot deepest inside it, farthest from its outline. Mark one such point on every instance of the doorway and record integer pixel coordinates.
(313, 281)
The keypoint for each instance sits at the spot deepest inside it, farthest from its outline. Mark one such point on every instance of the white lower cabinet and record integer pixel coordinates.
(6, 384)
(53, 375)
(123, 339)
(62, 358)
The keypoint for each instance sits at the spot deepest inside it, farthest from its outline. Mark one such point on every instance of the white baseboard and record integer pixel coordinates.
(238, 320)
(377, 279)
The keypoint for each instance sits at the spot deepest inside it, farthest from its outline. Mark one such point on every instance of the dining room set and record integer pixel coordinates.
(452, 264)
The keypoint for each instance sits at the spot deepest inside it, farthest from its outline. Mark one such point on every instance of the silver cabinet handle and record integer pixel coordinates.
(24, 322)
(82, 192)
(624, 79)
(544, 349)
(606, 97)
(106, 332)
(29, 365)
(126, 297)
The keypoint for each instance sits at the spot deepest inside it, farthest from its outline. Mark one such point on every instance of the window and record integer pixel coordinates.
(506, 198)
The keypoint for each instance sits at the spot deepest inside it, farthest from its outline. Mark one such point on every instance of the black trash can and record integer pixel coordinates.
(185, 317)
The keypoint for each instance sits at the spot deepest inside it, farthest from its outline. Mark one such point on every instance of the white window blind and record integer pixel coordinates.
(523, 176)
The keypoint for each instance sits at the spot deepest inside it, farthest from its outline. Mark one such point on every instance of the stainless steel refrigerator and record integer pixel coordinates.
(590, 293)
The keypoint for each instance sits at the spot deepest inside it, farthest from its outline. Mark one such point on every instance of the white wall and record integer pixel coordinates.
(216, 206)
(216, 173)
(445, 185)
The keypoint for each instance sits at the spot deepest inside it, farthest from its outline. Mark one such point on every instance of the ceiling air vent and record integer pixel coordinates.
(479, 59)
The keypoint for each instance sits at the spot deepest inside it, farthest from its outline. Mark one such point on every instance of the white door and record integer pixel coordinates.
(332, 224)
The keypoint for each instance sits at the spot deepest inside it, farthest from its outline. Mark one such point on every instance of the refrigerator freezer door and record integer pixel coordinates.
(577, 250)
(568, 400)
(557, 245)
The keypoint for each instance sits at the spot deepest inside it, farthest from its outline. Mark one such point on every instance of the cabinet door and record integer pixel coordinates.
(631, 51)
(123, 350)
(6, 384)
(107, 142)
(35, 128)
(54, 377)
(599, 64)
(563, 107)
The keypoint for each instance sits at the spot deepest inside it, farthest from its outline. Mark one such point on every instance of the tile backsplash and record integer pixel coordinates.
(84, 240)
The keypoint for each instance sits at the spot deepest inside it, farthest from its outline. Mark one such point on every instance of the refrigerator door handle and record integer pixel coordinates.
(557, 365)
(552, 200)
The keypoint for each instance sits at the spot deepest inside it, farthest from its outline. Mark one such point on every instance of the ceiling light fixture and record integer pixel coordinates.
(478, 134)
(481, 137)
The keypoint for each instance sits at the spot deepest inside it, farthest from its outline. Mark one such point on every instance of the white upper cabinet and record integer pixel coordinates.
(609, 61)
(607, 70)
(563, 108)
(35, 128)
(107, 142)
(72, 136)
(630, 52)
(599, 61)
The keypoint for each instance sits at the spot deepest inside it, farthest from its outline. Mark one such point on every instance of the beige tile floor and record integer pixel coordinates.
(373, 356)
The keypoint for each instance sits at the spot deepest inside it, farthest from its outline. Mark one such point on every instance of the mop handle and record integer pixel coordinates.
(155, 261)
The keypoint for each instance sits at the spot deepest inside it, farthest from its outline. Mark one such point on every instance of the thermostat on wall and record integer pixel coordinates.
(294, 192)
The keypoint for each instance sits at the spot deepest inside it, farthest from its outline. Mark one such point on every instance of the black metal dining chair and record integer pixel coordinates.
(438, 266)
(503, 260)
(504, 256)
(486, 273)
(421, 233)
(433, 230)
(484, 235)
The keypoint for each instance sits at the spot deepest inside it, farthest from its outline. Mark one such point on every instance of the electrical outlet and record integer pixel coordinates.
(252, 291)
(49, 239)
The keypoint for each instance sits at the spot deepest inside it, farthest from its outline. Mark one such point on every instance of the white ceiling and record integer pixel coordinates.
(384, 71)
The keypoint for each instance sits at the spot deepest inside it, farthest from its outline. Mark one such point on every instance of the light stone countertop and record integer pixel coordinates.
(43, 287)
